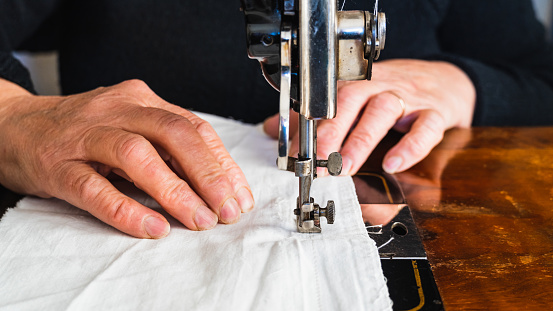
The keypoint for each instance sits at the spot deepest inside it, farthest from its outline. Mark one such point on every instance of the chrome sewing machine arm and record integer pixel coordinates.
(304, 47)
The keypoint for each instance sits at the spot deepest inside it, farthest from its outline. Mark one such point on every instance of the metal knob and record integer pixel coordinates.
(328, 212)
(333, 164)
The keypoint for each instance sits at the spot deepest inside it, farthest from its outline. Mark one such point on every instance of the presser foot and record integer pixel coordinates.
(308, 216)
(307, 212)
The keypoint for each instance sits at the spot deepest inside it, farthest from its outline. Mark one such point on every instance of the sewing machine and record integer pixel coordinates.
(304, 47)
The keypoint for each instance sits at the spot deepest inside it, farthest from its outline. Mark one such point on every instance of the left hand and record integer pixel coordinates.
(436, 96)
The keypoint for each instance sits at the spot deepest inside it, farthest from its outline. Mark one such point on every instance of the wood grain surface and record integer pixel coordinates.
(483, 202)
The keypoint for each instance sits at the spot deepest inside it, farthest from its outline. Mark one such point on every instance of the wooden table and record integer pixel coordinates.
(483, 202)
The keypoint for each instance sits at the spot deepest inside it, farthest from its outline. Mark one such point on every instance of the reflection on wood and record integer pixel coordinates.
(483, 201)
(380, 197)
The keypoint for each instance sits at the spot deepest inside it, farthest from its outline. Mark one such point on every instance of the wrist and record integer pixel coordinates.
(10, 93)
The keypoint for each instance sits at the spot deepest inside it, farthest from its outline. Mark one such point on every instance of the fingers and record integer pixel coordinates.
(195, 150)
(331, 133)
(136, 159)
(239, 184)
(426, 132)
(191, 156)
(383, 111)
(118, 126)
(380, 115)
(237, 178)
(85, 188)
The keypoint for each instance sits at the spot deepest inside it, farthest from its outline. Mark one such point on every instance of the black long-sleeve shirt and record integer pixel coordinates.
(193, 53)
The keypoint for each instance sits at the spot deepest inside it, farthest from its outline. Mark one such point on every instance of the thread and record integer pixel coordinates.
(390, 240)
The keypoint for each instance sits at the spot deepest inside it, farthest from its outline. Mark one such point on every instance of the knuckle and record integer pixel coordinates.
(428, 86)
(86, 187)
(417, 145)
(134, 149)
(233, 172)
(330, 131)
(97, 105)
(348, 95)
(173, 125)
(98, 200)
(361, 139)
(121, 212)
(117, 98)
(204, 128)
(385, 105)
(174, 194)
(135, 84)
(433, 126)
(429, 134)
(112, 99)
(212, 180)
(228, 164)
(150, 165)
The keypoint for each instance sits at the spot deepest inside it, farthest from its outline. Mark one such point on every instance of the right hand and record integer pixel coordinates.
(435, 96)
(64, 147)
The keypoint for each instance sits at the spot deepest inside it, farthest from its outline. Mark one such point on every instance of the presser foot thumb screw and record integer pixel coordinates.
(328, 212)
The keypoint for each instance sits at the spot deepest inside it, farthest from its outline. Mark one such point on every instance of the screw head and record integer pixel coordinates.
(330, 212)
(334, 164)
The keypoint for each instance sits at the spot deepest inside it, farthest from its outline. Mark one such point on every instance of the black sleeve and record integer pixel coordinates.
(21, 20)
(503, 48)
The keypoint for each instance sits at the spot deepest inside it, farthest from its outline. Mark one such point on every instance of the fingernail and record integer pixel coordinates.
(392, 164)
(205, 219)
(347, 163)
(245, 199)
(230, 212)
(155, 227)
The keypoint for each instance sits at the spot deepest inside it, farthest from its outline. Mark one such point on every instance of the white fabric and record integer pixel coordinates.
(54, 256)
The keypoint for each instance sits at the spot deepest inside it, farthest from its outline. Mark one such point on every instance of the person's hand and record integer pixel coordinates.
(64, 147)
(420, 98)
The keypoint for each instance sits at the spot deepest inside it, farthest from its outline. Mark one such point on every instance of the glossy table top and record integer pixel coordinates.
(483, 203)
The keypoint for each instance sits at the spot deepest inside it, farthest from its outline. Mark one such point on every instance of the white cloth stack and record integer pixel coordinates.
(54, 256)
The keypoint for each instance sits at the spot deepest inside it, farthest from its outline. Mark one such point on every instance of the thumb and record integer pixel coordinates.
(271, 124)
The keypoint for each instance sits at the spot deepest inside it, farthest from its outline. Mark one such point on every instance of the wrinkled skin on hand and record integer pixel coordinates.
(437, 96)
(64, 147)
